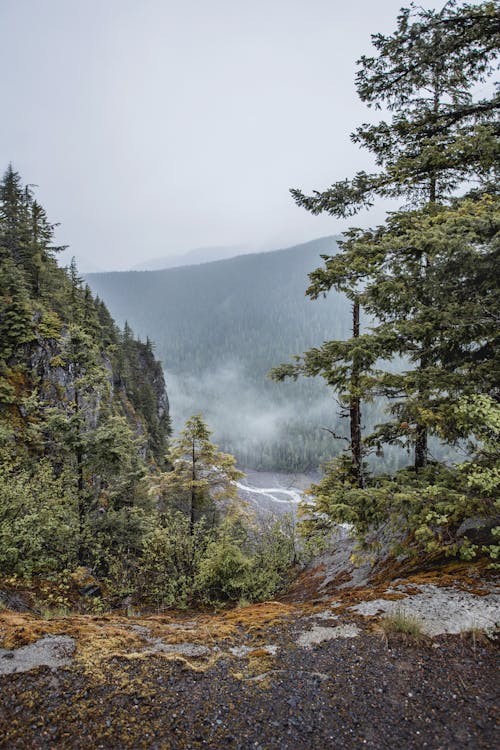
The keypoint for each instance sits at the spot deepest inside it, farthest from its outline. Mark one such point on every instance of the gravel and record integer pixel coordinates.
(338, 694)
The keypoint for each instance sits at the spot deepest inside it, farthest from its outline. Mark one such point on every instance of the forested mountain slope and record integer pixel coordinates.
(219, 327)
(190, 258)
(83, 406)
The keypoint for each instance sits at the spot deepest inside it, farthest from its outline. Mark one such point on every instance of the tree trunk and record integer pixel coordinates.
(421, 430)
(193, 491)
(355, 407)
(421, 447)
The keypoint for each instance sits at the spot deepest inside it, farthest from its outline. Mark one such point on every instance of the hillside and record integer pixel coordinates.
(83, 407)
(219, 327)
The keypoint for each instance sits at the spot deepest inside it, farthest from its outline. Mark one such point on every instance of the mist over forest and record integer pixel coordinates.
(219, 328)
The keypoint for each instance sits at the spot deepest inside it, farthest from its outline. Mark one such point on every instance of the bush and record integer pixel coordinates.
(170, 561)
(38, 520)
(224, 570)
(424, 508)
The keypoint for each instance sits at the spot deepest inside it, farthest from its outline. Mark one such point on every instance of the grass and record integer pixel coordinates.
(478, 636)
(401, 622)
(48, 612)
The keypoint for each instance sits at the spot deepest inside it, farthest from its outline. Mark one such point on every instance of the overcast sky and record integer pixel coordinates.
(153, 126)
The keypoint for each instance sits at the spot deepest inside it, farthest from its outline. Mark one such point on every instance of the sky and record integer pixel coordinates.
(152, 127)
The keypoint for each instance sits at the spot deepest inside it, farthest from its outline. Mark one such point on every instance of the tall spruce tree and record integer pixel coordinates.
(439, 136)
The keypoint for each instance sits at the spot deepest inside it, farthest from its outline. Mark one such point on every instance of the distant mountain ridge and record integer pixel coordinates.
(192, 257)
(220, 327)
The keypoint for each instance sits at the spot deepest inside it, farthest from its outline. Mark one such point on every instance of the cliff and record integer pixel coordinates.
(84, 413)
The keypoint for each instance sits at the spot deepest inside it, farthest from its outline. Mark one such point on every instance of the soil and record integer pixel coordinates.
(319, 669)
(367, 691)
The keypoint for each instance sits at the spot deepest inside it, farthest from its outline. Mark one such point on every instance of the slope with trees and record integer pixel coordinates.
(83, 407)
(427, 276)
(90, 490)
(219, 328)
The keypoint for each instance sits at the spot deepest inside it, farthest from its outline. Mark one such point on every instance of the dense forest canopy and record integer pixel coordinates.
(219, 328)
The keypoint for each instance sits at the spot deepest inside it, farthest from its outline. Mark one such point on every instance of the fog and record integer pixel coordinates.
(155, 127)
(248, 418)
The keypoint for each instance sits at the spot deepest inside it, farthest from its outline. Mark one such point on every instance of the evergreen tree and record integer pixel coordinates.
(427, 277)
(437, 138)
(202, 479)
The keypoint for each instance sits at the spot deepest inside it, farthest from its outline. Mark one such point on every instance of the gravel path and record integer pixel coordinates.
(342, 693)
(304, 676)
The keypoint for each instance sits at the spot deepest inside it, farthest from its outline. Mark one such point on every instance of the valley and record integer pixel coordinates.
(219, 328)
(275, 493)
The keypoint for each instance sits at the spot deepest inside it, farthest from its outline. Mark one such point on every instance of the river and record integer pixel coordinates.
(273, 491)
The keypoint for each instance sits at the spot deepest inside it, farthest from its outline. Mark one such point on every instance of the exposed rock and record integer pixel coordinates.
(441, 610)
(15, 601)
(327, 614)
(319, 634)
(50, 651)
(242, 651)
(344, 564)
(479, 530)
(192, 650)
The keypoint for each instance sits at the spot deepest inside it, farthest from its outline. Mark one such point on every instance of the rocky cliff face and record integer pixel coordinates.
(60, 371)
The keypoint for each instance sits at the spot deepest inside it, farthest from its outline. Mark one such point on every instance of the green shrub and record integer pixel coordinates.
(224, 570)
(38, 520)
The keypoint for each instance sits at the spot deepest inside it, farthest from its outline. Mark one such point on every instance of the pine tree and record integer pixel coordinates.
(438, 137)
(202, 479)
(14, 219)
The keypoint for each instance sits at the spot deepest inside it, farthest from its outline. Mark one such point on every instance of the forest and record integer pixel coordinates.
(399, 338)
(88, 479)
(220, 327)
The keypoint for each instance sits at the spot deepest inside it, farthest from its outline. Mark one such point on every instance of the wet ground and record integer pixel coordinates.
(344, 693)
(272, 675)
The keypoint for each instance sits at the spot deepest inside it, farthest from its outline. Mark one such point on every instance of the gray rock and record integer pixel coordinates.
(319, 634)
(441, 610)
(478, 530)
(242, 651)
(50, 651)
(14, 601)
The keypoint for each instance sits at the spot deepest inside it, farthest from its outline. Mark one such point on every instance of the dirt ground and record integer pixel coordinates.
(254, 687)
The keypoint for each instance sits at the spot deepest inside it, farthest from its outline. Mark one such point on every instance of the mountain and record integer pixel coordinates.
(219, 327)
(192, 257)
(83, 407)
